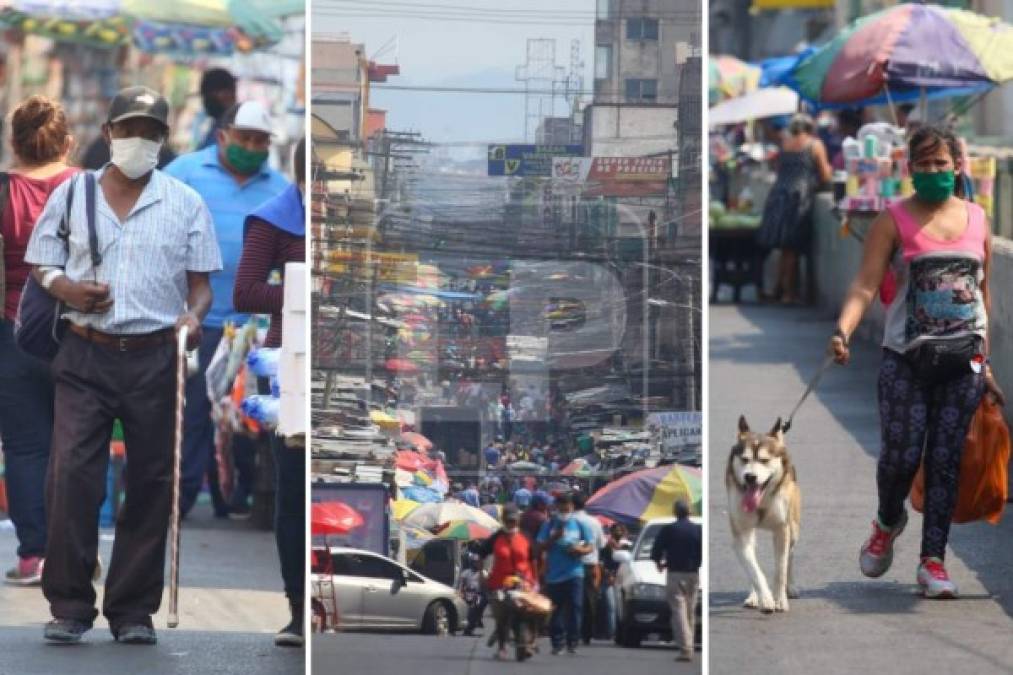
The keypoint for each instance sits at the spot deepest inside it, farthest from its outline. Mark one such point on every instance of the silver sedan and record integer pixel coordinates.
(372, 592)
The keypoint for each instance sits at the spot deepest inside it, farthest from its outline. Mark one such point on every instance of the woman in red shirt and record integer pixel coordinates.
(512, 569)
(41, 143)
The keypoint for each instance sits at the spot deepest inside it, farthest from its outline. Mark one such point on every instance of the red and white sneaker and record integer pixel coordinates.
(877, 552)
(28, 572)
(934, 580)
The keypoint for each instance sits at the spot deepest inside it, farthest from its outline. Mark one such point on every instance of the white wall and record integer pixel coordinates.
(632, 131)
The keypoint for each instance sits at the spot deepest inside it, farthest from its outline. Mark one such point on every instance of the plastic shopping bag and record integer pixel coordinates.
(983, 469)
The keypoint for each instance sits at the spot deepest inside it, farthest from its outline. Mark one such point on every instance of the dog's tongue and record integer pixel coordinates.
(751, 500)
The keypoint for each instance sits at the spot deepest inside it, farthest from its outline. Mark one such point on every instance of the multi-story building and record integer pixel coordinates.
(636, 75)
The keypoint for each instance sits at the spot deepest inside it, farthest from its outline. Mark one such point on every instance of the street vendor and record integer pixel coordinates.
(275, 234)
(118, 361)
(233, 177)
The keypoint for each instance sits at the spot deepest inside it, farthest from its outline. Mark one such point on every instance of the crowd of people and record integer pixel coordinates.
(555, 547)
(133, 253)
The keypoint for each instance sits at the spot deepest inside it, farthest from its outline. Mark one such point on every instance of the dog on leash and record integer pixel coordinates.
(763, 493)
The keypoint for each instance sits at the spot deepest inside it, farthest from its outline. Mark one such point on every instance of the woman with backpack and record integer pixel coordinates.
(935, 366)
(41, 141)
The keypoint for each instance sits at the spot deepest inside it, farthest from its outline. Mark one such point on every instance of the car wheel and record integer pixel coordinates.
(437, 619)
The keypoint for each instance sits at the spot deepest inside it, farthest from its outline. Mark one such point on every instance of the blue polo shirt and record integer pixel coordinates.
(561, 565)
(229, 204)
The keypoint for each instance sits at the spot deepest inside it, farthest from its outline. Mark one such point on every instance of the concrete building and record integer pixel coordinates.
(636, 75)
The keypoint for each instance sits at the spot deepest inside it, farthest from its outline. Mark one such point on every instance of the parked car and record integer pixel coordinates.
(641, 604)
(373, 592)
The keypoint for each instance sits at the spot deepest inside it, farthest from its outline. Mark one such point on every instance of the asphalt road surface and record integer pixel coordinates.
(397, 654)
(760, 361)
(230, 602)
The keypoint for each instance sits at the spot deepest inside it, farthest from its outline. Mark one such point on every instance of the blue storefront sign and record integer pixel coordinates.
(528, 160)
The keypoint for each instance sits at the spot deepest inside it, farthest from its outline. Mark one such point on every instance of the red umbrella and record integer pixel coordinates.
(334, 518)
(401, 366)
(410, 461)
(417, 440)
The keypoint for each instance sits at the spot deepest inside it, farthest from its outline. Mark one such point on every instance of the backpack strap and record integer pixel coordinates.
(5, 190)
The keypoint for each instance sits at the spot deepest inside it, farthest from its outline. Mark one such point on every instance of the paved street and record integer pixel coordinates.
(379, 654)
(760, 359)
(231, 603)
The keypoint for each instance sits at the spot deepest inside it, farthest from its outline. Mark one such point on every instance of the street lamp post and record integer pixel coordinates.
(645, 282)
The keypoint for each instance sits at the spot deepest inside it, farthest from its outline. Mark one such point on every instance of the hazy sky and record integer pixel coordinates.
(476, 52)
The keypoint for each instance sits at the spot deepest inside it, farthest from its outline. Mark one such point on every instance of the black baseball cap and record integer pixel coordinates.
(139, 102)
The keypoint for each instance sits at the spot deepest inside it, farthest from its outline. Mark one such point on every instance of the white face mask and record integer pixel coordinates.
(134, 156)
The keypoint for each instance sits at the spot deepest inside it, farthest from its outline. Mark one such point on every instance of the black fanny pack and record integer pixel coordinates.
(944, 359)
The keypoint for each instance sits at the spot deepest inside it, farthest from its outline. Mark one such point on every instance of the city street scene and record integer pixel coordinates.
(506, 318)
(830, 245)
(152, 506)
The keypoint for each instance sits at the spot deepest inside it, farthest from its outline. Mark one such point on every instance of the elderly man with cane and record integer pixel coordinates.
(118, 361)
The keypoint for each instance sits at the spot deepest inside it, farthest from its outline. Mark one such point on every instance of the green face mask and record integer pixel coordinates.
(245, 161)
(934, 187)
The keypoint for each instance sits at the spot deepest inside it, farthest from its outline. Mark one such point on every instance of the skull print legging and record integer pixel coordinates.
(917, 416)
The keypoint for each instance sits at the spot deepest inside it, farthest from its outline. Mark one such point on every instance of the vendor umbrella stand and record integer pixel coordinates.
(909, 52)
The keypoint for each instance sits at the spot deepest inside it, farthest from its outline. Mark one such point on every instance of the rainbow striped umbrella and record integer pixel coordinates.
(907, 51)
(464, 530)
(648, 494)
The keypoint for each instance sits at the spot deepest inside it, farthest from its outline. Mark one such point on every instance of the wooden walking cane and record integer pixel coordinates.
(177, 450)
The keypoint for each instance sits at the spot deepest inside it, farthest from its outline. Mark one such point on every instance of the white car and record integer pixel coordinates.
(641, 601)
(373, 592)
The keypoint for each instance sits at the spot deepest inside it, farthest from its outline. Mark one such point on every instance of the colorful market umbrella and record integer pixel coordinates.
(401, 366)
(423, 495)
(417, 440)
(416, 538)
(402, 507)
(648, 494)
(334, 518)
(410, 461)
(903, 53)
(729, 77)
(431, 516)
(756, 105)
(464, 530)
(382, 419)
(580, 468)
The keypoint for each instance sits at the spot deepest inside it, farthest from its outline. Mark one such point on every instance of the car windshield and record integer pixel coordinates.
(646, 542)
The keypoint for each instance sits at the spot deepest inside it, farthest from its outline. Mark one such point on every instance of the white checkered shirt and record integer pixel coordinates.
(144, 259)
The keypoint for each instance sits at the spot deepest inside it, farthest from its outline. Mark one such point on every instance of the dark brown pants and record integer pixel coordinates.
(94, 386)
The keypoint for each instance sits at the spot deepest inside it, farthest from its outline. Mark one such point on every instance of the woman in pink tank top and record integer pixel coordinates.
(935, 349)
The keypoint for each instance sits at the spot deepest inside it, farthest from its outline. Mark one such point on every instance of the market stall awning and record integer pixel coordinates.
(760, 104)
(432, 516)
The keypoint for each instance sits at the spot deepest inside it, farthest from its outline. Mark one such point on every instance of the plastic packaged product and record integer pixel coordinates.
(263, 362)
(262, 409)
(852, 187)
(851, 149)
(870, 147)
(906, 187)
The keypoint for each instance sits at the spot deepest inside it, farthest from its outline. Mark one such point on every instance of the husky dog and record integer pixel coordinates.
(763, 493)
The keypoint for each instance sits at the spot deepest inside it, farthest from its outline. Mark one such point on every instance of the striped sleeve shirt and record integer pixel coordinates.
(145, 258)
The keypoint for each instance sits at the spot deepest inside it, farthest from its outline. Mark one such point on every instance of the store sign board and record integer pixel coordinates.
(527, 160)
(611, 169)
(673, 431)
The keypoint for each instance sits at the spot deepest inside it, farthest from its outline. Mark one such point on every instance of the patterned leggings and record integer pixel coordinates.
(914, 416)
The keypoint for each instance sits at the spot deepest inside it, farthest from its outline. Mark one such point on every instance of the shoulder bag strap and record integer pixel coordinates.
(89, 198)
(5, 193)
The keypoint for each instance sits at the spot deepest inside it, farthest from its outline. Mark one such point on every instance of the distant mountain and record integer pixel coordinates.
(452, 117)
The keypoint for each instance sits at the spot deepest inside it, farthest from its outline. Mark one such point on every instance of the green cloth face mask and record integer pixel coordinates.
(245, 161)
(934, 187)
